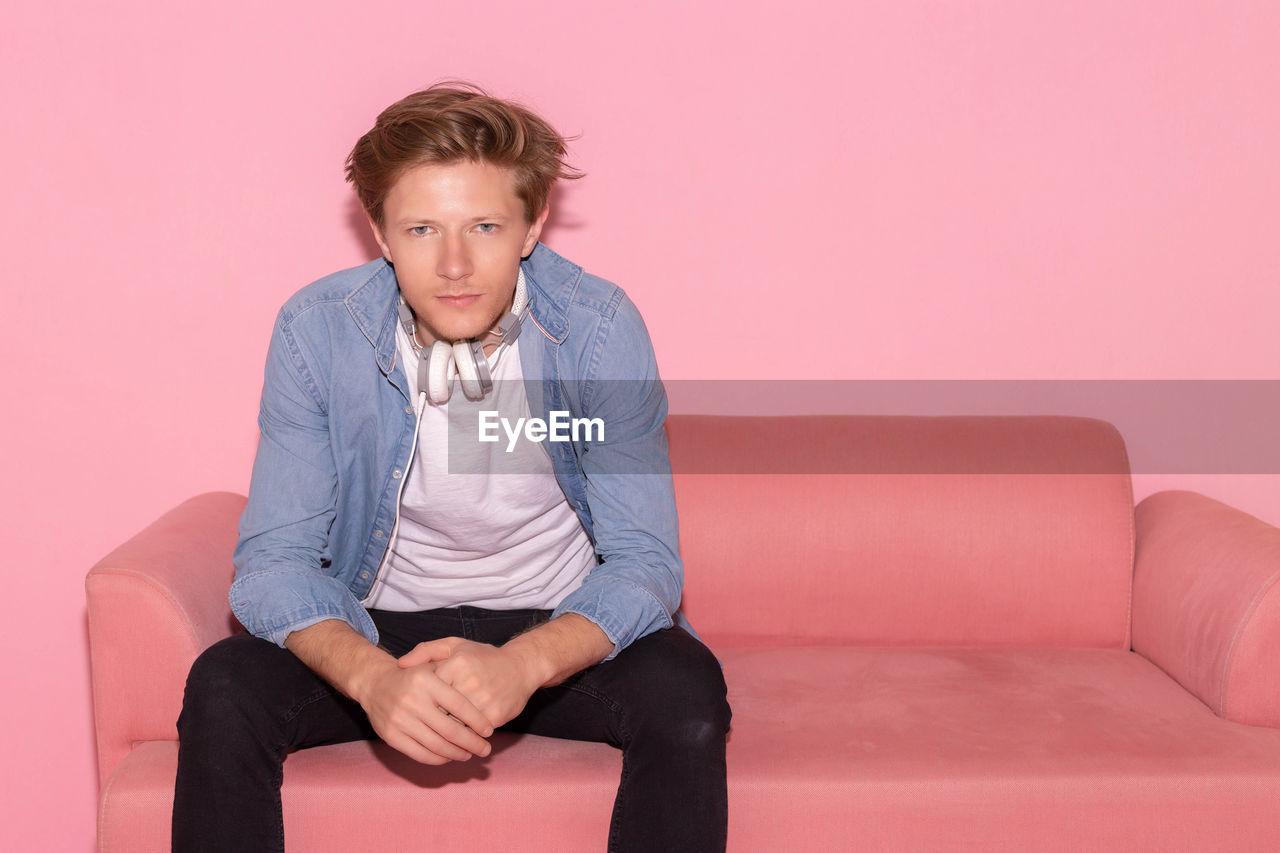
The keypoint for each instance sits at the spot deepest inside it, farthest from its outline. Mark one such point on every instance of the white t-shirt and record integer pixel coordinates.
(479, 525)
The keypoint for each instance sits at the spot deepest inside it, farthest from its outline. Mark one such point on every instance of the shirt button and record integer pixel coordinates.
(408, 410)
(378, 534)
(396, 474)
(364, 575)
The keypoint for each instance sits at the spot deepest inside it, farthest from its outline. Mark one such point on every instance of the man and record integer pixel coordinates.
(392, 591)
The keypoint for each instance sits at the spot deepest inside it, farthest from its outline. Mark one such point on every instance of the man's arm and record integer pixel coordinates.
(636, 587)
(414, 710)
(283, 591)
(285, 578)
(560, 648)
(500, 679)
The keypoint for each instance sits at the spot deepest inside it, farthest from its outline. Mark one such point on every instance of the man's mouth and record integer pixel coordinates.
(460, 301)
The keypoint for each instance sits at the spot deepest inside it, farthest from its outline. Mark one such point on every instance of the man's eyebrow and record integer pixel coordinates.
(427, 220)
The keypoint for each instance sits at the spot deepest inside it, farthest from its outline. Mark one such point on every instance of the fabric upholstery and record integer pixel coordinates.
(905, 530)
(1207, 602)
(902, 748)
(924, 624)
(155, 603)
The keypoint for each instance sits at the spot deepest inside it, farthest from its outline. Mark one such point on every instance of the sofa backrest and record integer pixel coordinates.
(904, 530)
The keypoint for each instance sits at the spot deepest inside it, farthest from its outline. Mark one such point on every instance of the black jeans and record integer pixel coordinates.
(661, 701)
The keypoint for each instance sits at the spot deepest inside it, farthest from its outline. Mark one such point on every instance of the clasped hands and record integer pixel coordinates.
(440, 702)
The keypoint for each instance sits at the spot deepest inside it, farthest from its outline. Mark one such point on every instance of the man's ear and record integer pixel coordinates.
(377, 236)
(535, 231)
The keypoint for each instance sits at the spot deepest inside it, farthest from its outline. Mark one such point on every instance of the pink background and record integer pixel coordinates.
(894, 189)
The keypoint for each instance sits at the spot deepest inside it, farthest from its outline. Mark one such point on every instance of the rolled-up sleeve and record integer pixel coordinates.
(636, 588)
(284, 580)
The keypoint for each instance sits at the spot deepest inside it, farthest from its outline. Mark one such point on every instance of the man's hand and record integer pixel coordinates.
(418, 713)
(497, 681)
(414, 711)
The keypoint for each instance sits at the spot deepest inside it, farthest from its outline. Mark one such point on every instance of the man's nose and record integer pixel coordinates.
(455, 261)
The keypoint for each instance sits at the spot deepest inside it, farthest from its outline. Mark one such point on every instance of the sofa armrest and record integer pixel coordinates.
(1206, 602)
(154, 604)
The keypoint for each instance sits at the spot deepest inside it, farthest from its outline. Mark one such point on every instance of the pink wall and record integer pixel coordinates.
(904, 189)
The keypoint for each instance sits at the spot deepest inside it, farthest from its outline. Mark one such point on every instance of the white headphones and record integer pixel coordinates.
(466, 360)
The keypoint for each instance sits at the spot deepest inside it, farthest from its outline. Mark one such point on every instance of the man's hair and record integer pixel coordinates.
(450, 122)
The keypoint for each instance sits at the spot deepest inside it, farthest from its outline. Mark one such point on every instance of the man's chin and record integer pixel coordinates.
(456, 329)
(458, 336)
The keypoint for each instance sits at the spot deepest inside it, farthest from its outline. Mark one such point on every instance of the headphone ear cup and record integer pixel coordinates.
(440, 379)
(468, 372)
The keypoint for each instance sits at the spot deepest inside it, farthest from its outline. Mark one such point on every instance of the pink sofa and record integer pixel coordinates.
(938, 634)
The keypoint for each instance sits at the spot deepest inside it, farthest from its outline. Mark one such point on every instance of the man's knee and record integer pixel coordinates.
(222, 684)
(683, 689)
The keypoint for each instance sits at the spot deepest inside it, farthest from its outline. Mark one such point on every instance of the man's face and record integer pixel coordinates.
(456, 234)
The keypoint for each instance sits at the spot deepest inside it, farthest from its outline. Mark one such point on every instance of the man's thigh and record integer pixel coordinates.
(246, 683)
(660, 685)
(664, 680)
(246, 687)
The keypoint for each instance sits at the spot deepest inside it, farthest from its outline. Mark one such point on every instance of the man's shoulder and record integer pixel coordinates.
(570, 288)
(357, 289)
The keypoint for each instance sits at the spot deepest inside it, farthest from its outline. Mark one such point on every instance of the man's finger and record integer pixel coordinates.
(461, 709)
(459, 734)
(428, 652)
(435, 743)
(410, 747)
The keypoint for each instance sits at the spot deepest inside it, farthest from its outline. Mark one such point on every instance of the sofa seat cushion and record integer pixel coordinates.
(901, 748)
(531, 793)
(932, 748)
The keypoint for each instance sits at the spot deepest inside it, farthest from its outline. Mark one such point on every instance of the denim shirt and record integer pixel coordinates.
(338, 427)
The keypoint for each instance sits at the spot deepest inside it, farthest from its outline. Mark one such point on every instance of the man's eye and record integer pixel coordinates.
(419, 230)
(487, 227)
